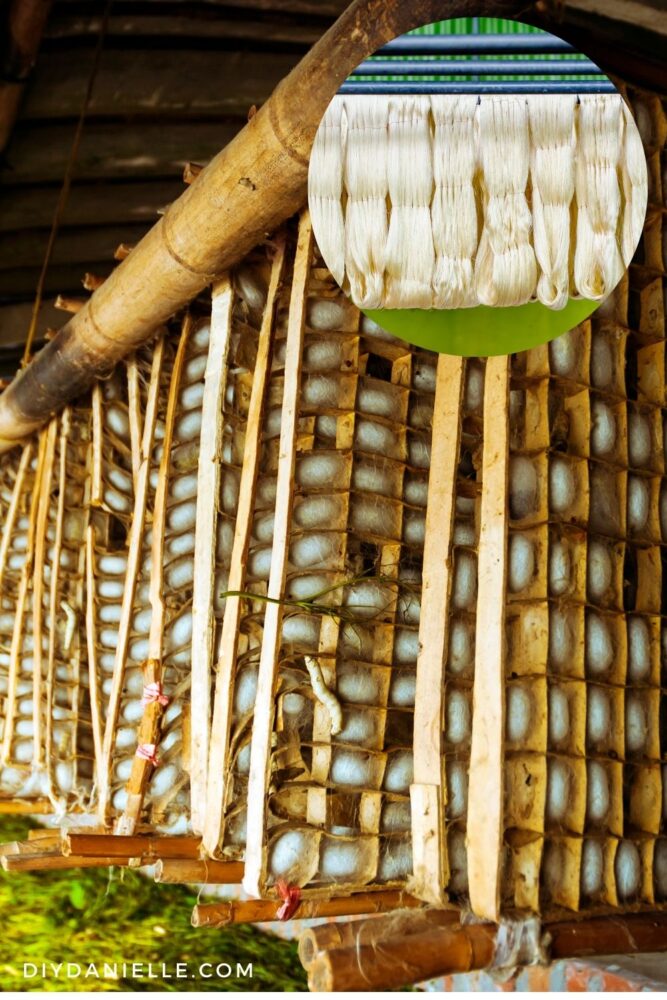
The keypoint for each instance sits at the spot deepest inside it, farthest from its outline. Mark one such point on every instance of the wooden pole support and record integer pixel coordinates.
(115, 845)
(245, 192)
(254, 911)
(57, 862)
(176, 870)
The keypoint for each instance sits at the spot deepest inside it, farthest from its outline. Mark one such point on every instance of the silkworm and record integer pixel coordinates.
(627, 869)
(524, 487)
(600, 570)
(559, 715)
(327, 314)
(598, 792)
(562, 486)
(395, 861)
(598, 721)
(602, 362)
(599, 645)
(465, 580)
(519, 713)
(639, 439)
(71, 619)
(560, 568)
(638, 504)
(398, 775)
(457, 789)
(461, 646)
(402, 690)
(457, 713)
(603, 429)
(639, 650)
(522, 564)
(592, 868)
(564, 353)
(324, 695)
(559, 786)
(636, 723)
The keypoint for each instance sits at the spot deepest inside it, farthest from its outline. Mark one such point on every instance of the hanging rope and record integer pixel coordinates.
(67, 181)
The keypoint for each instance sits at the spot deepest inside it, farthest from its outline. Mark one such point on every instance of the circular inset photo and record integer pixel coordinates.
(477, 193)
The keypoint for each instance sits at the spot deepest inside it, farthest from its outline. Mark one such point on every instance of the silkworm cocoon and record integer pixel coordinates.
(367, 599)
(636, 723)
(357, 686)
(379, 399)
(419, 452)
(639, 439)
(352, 770)
(181, 545)
(326, 426)
(457, 716)
(373, 478)
(564, 354)
(180, 573)
(464, 533)
(183, 487)
(117, 502)
(314, 549)
(461, 646)
(465, 580)
(109, 613)
(521, 562)
(560, 568)
(524, 487)
(138, 650)
(133, 711)
(421, 416)
(64, 776)
(660, 868)
(179, 632)
(250, 286)
(474, 386)
(559, 787)
(321, 354)
(519, 713)
(16, 560)
(327, 314)
(109, 638)
(406, 646)
(592, 868)
(409, 609)
(415, 491)
(225, 540)
(321, 390)
(458, 861)
(303, 630)
(598, 793)
(599, 570)
(123, 769)
(182, 517)
(112, 565)
(396, 818)
(259, 563)
(243, 760)
(163, 779)
(23, 727)
(287, 853)
(126, 737)
(598, 721)
(317, 468)
(359, 725)
(195, 368)
(424, 377)
(457, 789)
(117, 420)
(602, 362)
(638, 504)
(294, 704)
(396, 861)
(273, 422)
(465, 505)
(559, 715)
(599, 645)
(377, 439)
(399, 772)
(628, 870)
(639, 650)
(340, 859)
(402, 690)
(603, 429)
(561, 638)
(306, 587)
(314, 512)
(192, 396)
(229, 490)
(562, 485)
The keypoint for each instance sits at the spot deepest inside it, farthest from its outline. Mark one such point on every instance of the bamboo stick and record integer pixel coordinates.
(428, 793)
(139, 845)
(253, 911)
(485, 796)
(218, 219)
(262, 729)
(208, 500)
(68, 303)
(399, 961)
(22, 807)
(191, 172)
(58, 862)
(177, 870)
(12, 511)
(149, 727)
(227, 647)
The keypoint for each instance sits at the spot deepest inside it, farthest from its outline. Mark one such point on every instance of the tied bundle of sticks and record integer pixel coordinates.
(398, 949)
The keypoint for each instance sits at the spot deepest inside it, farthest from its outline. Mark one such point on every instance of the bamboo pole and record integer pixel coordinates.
(26, 20)
(140, 846)
(254, 911)
(178, 870)
(57, 862)
(401, 960)
(245, 192)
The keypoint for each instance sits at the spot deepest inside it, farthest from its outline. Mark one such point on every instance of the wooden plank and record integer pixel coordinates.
(208, 498)
(485, 795)
(154, 81)
(142, 846)
(133, 563)
(206, 872)
(428, 793)
(38, 151)
(227, 648)
(264, 704)
(254, 911)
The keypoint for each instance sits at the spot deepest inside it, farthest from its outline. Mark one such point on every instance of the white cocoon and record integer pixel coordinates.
(559, 784)
(465, 580)
(457, 714)
(251, 286)
(340, 859)
(519, 713)
(356, 685)
(399, 772)
(415, 490)
(457, 789)
(522, 565)
(192, 396)
(327, 314)
(600, 570)
(110, 589)
(317, 468)
(560, 568)
(117, 420)
(636, 722)
(599, 645)
(639, 650)
(402, 690)
(603, 429)
(352, 770)
(395, 861)
(286, 854)
(639, 439)
(562, 485)
(302, 630)
(183, 516)
(245, 691)
(628, 870)
(638, 503)
(559, 715)
(406, 646)
(112, 565)
(592, 868)
(602, 362)
(598, 722)
(564, 354)
(458, 861)
(461, 646)
(561, 638)
(524, 487)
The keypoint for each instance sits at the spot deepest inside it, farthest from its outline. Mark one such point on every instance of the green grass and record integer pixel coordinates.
(95, 916)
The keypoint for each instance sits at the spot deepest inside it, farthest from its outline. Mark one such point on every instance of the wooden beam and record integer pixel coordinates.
(252, 186)
(58, 862)
(25, 22)
(255, 911)
(139, 846)
(177, 870)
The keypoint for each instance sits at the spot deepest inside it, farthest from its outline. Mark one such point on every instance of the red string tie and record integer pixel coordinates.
(154, 693)
(291, 897)
(147, 752)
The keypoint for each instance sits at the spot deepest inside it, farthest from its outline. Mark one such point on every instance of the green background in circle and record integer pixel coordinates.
(482, 330)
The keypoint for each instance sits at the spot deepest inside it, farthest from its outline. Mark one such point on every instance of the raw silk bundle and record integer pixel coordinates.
(452, 201)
